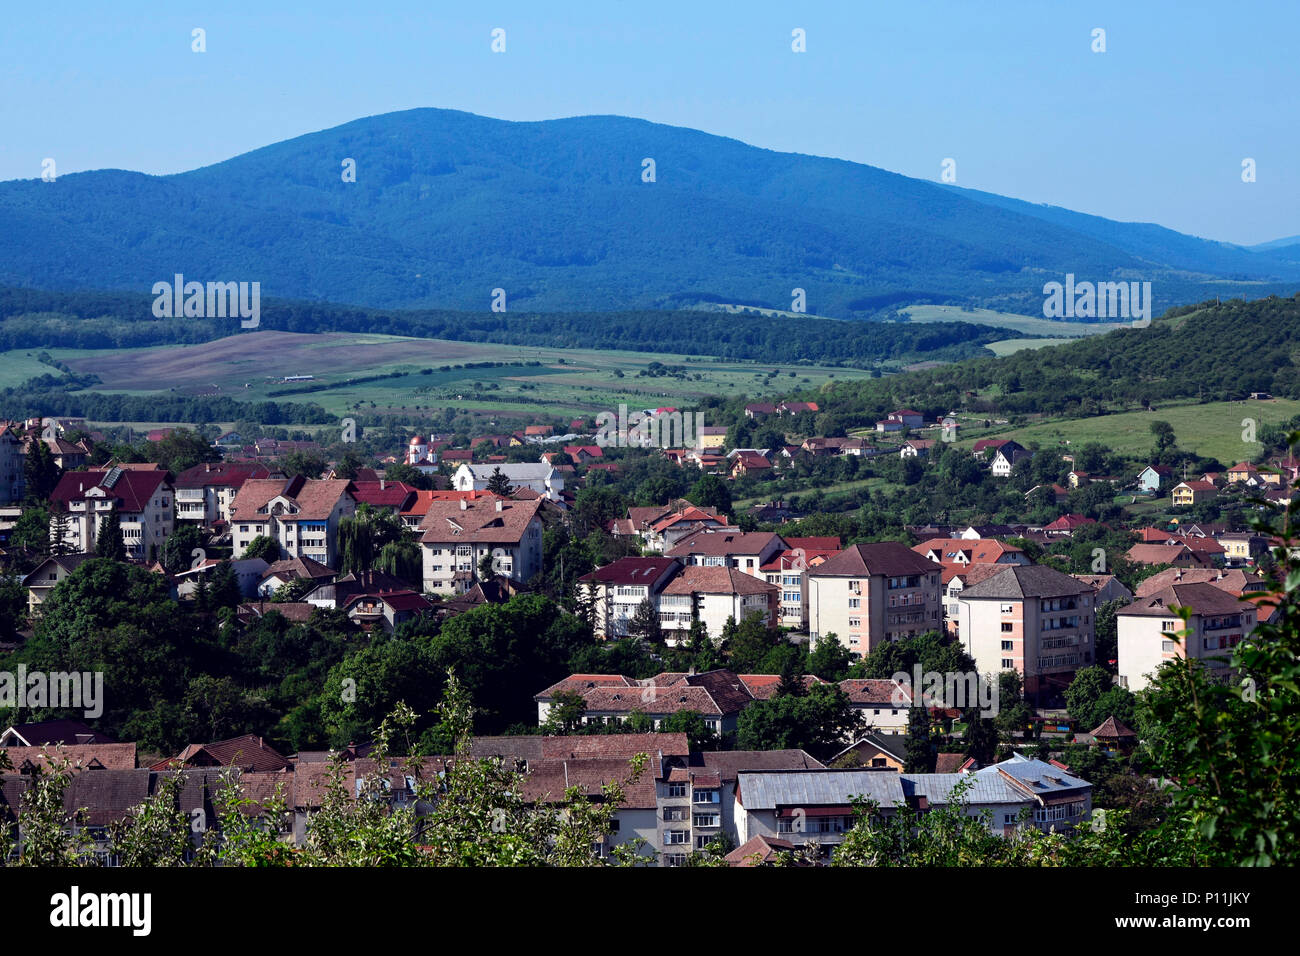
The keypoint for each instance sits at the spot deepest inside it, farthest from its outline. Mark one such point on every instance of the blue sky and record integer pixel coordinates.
(1155, 129)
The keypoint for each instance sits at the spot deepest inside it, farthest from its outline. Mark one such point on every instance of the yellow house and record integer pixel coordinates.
(713, 436)
(1194, 492)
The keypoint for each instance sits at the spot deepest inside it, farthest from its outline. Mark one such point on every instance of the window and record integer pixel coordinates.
(1008, 664)
(677, 790)
(855, 602)
(1008, 645)
(706, 820)
(706, 796)
(1006, 627)
(1008, 609)
(676, 837)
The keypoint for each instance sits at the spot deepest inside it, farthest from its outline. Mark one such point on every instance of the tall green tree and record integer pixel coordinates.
(921, 754)
(40, 472)
(109, 543)
(499, 484)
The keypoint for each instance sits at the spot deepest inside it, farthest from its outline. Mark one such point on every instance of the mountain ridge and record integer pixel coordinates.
(448, 206)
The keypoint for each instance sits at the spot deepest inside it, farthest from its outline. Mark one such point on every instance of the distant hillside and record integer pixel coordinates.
(32, 318)
(448, 206)
(1212, 352)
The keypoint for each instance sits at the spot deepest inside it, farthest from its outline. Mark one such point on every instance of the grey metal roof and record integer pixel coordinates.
(1037, 776)
(937, 788)
(1026, 581)
(767, 790)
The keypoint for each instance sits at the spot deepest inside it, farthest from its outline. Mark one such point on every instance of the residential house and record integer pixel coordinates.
(538, 477)
(881, 705)
(1174, 555)
(871, 593)
(1233, 580)
(963, 552)
(142, 500)
(1150, 478)
(456, 536)
(301, 514)
(280, 573)
(1030, 619)
(248, 574)
(47, 575)
(1107, 587)
(744, 551)
(713, 595)
(712, 437)
(1242, 547)
(916, 448)
(1067, 525)
(1218, 622)
(618, 589)
(49, 733)
(395, 497)
(749, 463)
(1005, 457)
(817, 806)
(717, 695)
(1193, 493)
(205, 492)
(385, 610)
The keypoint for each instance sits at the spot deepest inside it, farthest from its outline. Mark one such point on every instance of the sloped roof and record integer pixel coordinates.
(478, 521)
(880, 693)
(888, 558)
(1201, 598)
(132, 488)
(723, 543)
(249, 752)
(1233, 580)
(758, 850)
(1110, 727)
(700, 579)
(1026, 581)
(631, 571)
(314, 499)
(773, 789)
(230, 474)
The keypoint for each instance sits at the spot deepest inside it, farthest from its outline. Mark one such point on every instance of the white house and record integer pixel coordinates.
(535, 476)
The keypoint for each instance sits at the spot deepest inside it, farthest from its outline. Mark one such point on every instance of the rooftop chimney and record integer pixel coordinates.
(464, 505)
(499, 504)
(381, 484)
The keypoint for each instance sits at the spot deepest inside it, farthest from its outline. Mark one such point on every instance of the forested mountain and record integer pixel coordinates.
(447, 206)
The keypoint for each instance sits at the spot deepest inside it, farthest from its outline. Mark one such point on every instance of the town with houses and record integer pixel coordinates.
(681, 574)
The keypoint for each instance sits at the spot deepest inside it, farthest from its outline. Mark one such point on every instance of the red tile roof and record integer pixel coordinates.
(132, 489)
